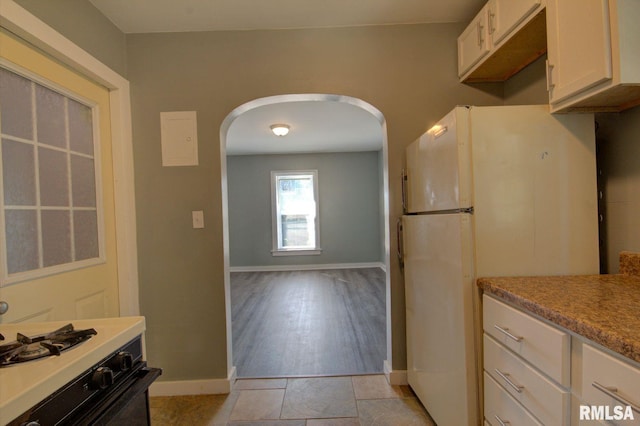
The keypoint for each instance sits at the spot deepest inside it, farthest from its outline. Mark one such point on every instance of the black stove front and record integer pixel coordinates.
(113, 392)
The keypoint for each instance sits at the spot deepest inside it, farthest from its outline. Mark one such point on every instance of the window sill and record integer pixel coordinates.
(294, 252)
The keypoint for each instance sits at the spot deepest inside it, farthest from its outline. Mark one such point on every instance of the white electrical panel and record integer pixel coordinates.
(179, 138)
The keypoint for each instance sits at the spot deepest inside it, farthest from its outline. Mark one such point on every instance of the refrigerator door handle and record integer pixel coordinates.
(399, 242)
(403, 190)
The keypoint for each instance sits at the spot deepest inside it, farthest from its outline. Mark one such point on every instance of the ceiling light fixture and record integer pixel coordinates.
(280, 129)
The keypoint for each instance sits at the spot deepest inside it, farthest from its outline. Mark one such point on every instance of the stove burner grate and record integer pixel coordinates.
(27, 348)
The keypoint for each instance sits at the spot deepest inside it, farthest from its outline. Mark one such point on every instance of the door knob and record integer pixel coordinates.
(4, 307)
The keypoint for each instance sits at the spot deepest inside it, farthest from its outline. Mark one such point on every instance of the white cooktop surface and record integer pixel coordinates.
(25, 384)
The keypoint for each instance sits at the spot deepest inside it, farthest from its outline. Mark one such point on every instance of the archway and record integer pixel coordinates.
(224, 131)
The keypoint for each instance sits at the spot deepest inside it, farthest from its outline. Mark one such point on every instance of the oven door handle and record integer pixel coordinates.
(107, 410)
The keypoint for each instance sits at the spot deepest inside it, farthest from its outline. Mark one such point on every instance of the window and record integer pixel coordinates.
(294, 199)
(50, 211)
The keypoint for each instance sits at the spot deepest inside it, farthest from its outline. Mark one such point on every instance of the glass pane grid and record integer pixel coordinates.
(48, 179)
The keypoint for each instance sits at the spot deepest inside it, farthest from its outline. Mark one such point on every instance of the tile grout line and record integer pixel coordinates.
(286, 387)
(355, 399)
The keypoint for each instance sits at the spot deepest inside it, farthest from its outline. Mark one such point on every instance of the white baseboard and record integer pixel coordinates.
(278, 268)
(194, 387)
(397, 377)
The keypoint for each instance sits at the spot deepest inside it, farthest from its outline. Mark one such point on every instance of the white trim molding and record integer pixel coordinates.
(395, 377)
(194, 387)
(224, 128)
(280, 268)
(22, 23)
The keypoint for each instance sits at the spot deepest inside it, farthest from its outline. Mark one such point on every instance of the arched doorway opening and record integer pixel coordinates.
(336, 100)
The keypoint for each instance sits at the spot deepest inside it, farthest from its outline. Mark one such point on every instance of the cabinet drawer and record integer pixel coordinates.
(548, 402)
(602, 370)
(545, 347)
(499, 406)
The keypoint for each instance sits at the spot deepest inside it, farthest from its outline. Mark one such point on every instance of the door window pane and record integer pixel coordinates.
(54, 183)
(80, 127)
(56, 237)
(50, 117)
(18, 173)
(16, 115)
(21, 230)
(50, 204)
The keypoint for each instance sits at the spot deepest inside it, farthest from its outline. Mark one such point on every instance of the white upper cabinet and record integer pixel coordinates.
(503, 38)
(473, 43)
(505, 15)
(593, 61)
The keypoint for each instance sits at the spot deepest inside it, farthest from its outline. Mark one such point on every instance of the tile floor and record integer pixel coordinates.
(317, 401)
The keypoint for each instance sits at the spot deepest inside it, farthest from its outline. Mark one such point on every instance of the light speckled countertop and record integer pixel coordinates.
(601, 308)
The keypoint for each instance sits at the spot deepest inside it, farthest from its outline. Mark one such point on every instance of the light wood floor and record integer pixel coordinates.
(308, 323)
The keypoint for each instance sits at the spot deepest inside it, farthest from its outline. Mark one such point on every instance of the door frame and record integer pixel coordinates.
(224, 130)
(19, 21)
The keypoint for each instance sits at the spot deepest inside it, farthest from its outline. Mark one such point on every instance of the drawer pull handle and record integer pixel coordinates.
(506, 332)
(613, 393)
(506, 378)
(502, 422)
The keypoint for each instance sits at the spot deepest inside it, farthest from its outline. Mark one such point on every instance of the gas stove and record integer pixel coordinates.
(27, 348)
(25, 385)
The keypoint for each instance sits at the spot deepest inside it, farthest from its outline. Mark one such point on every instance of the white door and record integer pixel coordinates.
(579, 46)
(438, 166)
(441, 312)
(58, 218)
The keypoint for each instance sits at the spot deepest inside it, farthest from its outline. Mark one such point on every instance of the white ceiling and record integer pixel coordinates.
(144, 16)
(318, 126)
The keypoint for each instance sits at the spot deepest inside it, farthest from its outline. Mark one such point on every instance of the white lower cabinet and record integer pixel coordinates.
(611, 386)
(527, 361)
(543, 346)
(547, 401)
(501, 409)
(526, 374)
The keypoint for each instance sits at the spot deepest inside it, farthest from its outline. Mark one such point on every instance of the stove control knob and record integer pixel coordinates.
(123, 361)
(102, 378)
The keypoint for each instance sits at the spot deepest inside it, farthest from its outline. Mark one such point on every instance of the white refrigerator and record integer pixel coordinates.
(488, 191)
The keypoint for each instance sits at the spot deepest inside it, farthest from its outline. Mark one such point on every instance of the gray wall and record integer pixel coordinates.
(348, 193)
(408, 72)
(86, 26)
(529, 86)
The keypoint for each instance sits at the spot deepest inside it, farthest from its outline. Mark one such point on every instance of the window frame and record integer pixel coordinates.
(275, 222)
(7, 278)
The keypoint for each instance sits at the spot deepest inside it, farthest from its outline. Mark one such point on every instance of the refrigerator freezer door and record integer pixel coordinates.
(442, 316)
(438, 166)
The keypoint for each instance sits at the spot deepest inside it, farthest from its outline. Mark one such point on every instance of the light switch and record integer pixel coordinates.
(198, 219)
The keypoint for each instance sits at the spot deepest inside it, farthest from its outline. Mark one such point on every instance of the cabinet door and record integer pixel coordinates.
(609, 382)
(505, 15)
(579, 46)
(473, 43)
